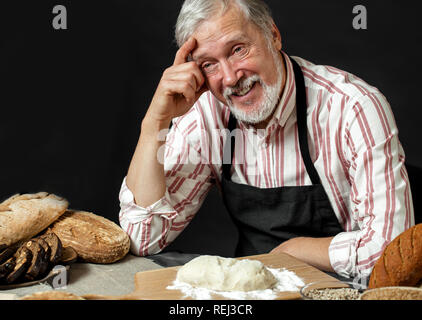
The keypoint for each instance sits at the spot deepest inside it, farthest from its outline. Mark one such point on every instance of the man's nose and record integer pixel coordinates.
(230, 73)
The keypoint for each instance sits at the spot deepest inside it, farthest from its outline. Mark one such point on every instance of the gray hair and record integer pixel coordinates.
(194, 12)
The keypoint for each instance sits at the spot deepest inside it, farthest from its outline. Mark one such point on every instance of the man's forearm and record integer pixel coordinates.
(145, 176)
(313, 251)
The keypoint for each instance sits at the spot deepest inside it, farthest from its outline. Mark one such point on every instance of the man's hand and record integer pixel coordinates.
(180, 87)
(313, 251)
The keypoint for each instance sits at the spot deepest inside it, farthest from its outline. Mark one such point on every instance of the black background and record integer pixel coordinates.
(72, 100)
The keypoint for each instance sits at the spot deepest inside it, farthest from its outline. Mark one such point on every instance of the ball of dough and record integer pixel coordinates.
(226, 274)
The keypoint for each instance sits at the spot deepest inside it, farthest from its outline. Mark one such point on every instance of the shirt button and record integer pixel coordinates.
(265, 145)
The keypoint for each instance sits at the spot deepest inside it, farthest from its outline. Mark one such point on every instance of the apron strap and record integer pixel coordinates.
(301, 110)
(301, 114)
(227, 166)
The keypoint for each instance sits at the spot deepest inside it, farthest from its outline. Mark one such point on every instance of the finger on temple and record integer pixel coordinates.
(183, 53)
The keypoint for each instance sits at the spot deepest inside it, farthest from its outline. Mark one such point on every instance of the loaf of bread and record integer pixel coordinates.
(24, 216)
(52, 295)
(94, 238)
(30, 260)
(392, 293)
(401, 262)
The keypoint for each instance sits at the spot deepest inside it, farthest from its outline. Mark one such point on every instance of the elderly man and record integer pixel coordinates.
(315, 165)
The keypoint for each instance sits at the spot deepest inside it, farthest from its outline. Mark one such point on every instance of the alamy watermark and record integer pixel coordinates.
(60, 278)
(360, 21)
(360, 282)
(210, 140)
(60, 19)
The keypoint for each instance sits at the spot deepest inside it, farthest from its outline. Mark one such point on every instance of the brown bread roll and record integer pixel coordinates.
(94, 238)
(401, 262)
(24, 216)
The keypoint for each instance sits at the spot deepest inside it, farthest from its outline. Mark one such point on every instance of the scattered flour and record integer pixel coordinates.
(286, 281)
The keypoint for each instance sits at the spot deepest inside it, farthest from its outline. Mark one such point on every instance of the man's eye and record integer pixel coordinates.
(238, 50)
(208, 67)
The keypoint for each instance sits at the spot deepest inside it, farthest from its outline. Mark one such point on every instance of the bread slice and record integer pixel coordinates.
(7, 253)
(37, 258)
(7, 267)
(94, 238)
(24, 216)
(45, 259)
(55, 245)
(23, 258)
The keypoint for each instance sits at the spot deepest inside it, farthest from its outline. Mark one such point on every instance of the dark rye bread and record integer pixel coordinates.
(401, 261)
(30, 260)
(37, 258)
(7, 267)
(23, 258)
(55, 244)
(7, 253)
(45, 259)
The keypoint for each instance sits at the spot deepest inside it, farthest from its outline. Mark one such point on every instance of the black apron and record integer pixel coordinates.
(267, 217)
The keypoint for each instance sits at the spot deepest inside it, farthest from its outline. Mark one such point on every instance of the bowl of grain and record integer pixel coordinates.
(332, 290)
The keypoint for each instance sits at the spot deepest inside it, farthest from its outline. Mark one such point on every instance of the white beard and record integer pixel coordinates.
(269, 103)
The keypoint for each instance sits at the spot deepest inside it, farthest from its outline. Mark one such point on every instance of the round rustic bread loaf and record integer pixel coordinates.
(94, 238)
(392, 293)
(24, 216)
(401, 261)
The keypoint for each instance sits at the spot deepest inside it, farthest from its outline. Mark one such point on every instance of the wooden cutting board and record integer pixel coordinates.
(152, 285)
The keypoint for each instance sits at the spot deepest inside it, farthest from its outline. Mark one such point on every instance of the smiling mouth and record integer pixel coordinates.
(244, 91)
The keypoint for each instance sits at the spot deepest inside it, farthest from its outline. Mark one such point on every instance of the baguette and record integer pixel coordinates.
(94, 238)
(401, 261)
(24, 216)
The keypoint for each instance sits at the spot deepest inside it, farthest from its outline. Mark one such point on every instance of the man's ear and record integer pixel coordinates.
(276, 37)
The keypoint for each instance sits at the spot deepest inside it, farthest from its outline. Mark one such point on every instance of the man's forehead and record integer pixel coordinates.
(204, 46)
(221, 30)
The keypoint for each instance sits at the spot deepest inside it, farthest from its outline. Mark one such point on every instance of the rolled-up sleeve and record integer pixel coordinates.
(138, 221)
(380, 193)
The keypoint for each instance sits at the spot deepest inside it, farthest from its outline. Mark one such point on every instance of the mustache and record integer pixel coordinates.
(241, 85)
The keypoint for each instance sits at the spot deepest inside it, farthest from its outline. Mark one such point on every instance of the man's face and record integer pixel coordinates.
(239, 67)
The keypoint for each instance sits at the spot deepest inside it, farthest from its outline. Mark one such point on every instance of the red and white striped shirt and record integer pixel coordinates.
(354, 145)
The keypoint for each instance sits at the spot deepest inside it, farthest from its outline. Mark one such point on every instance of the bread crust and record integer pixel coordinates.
(401, 261)
(24, 216)
(52, 295)
(94, 238)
